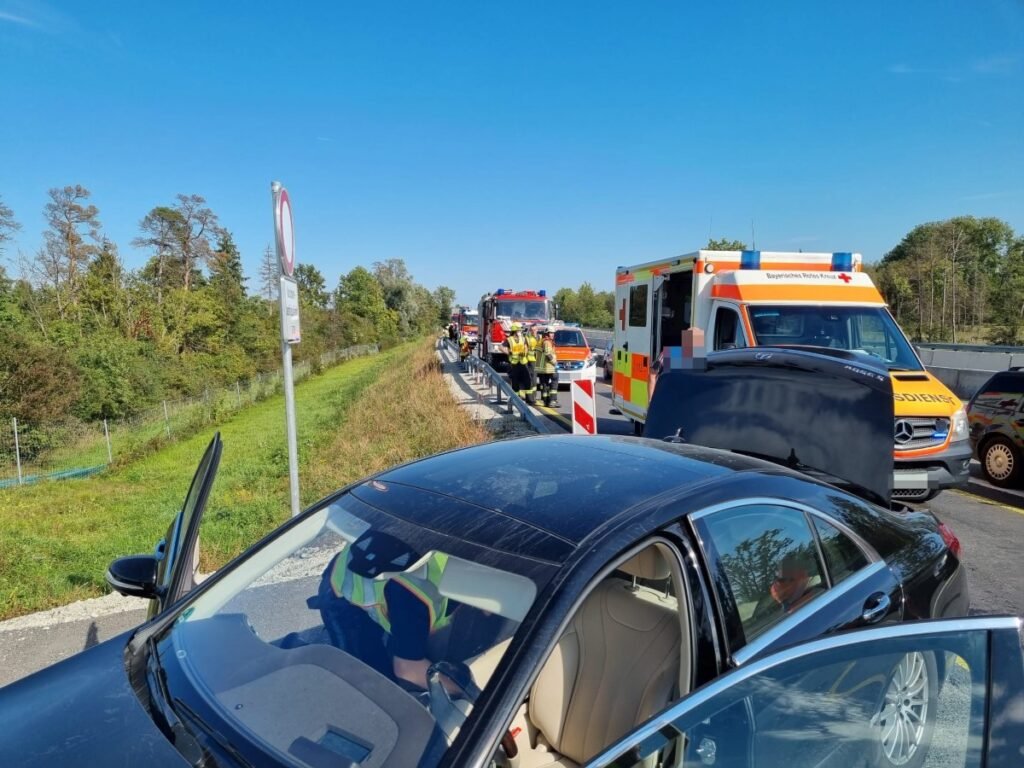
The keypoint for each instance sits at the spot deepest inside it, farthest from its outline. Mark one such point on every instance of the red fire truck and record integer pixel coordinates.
(499, 310)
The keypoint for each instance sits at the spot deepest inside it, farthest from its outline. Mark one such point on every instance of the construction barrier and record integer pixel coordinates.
(584, 408)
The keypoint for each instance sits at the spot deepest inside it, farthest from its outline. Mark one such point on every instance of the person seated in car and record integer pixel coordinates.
(790, 586)
(399, 625)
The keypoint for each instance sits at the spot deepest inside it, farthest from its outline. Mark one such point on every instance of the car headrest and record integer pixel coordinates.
(647, 564)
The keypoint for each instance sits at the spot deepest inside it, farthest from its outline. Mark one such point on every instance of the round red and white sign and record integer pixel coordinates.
(285, 233)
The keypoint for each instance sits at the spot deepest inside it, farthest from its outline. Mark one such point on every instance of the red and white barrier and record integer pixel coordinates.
(584, 408)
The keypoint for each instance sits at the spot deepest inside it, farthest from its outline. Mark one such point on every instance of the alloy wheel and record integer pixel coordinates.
(904, 712)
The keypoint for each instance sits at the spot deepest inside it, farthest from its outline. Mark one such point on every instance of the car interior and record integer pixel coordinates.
(623, 656)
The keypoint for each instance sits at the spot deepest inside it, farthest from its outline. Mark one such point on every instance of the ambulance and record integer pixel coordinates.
(812, 300)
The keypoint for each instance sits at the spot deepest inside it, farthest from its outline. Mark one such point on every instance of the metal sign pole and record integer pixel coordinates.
(285, 244)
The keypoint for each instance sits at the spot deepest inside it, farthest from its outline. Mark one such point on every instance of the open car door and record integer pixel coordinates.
(170, 572)
(944, 693)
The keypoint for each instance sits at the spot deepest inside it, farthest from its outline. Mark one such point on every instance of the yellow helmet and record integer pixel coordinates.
(515, 327)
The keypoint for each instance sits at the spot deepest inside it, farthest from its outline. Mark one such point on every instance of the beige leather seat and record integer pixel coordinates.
(615, 666)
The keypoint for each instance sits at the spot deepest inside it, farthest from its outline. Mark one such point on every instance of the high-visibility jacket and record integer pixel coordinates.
(368, 594)
(547, 358)
(518, 348)
(532, 342)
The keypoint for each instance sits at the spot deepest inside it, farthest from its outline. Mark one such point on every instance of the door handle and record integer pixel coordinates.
(876, 607)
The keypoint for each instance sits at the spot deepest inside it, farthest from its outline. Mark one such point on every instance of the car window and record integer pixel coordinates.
(728, 334)
(638, 306)
(842, 556)
(768, 561)
(853, 702)
(569, 339)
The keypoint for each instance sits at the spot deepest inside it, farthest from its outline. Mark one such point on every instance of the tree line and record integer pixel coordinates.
(958, 280)
(83, 336)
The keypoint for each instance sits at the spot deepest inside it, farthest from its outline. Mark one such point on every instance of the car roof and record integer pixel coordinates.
(562, 486)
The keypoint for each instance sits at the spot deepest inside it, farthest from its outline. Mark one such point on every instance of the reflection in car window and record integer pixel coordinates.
(349, 609)
(842, 556)
(769, 560)
(876, 703)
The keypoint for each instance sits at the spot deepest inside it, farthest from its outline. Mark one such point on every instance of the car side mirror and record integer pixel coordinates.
(134, 576)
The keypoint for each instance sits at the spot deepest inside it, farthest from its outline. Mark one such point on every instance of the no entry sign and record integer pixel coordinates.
(584, 408)
(284, 231)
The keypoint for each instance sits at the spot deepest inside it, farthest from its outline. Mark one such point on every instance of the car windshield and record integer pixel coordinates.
(569, 339)
(521, 309)
(869, 331)
(351, 637)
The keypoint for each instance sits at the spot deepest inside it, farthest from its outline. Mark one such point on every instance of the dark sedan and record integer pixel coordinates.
(591, 600)
(996, 418)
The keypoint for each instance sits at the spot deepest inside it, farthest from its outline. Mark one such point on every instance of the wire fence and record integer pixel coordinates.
(73, 448)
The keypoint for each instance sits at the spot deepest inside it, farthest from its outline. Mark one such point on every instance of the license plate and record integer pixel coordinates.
(910, 481)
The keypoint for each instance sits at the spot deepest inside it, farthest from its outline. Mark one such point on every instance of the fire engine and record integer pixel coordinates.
(760, 298)
(499, 310)
(468, 323)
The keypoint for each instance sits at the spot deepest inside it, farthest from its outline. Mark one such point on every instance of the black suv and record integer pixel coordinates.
(996, 418)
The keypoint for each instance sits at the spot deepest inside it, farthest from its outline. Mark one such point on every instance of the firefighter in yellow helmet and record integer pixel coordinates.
(518, 350)
(464, 348)
(547, 369)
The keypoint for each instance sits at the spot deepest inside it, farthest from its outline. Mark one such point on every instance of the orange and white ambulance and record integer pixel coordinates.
(757, 298)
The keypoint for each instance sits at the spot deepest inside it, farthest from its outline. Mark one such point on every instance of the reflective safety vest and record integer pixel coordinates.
(368, 594)
(547, 359)
(518, 348)
(532, 342)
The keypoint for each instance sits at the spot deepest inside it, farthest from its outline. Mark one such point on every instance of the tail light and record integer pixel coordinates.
(950, 538)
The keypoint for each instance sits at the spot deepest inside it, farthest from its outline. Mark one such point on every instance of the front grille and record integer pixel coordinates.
(570, 365)
(909, 493)
(914, 432)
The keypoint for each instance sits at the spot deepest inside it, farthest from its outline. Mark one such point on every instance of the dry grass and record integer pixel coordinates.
(407, 414)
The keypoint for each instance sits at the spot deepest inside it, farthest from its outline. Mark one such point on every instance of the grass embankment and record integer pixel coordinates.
(56, 539)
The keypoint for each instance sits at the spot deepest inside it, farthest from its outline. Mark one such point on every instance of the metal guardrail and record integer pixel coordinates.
(485, 374)
(1004, 349)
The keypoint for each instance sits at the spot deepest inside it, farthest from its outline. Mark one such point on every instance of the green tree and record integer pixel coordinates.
(179, 236)
(361, 307)
(725, 245)
(942, 275)
(38, 384)
(312, 287)
(444, 299)
(103, 291)
(70, 241)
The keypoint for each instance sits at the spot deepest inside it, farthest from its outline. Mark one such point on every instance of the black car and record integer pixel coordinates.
(996, 418)
(625, 601)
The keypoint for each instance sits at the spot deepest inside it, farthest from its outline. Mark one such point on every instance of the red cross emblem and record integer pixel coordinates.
(845, 277)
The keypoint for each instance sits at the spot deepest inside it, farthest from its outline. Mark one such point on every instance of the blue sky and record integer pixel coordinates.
(529, 144)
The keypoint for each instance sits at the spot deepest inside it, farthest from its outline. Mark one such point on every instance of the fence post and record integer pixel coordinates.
(17, 449)
(106, 434)
(167, 421)
(238, 394)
